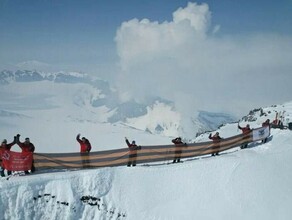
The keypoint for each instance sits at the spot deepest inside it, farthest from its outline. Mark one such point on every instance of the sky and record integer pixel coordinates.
(199, 54)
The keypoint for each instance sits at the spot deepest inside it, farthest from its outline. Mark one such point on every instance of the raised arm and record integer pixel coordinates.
(239, 127)
(78, 138)
(127, 141)
(17, 141)
(12, 143)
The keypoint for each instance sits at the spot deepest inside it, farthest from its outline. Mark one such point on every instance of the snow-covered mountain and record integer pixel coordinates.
(46, 100)
(254, 183)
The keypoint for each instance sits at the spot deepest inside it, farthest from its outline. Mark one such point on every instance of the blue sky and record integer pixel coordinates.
(80, 34)
(228, 40)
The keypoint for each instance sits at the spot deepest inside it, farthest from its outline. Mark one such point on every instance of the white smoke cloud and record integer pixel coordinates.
(183, 60)
(198, 15)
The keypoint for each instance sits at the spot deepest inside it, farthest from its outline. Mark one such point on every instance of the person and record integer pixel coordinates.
(6, 147)
(266, 124)
(245, 130)
(281, 125)
(216, 140)
(178, 144)
(277, 123)
(85, 146)
(26, 146)
(133, 152)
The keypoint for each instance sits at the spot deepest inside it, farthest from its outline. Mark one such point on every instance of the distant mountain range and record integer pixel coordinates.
(156, 115)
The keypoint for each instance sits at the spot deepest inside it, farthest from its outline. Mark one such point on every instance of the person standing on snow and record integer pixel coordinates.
(216, 142)
(85, 148)
(133, 152)
(178, 145)
(5, 147)
(245, 130)
(26, 146)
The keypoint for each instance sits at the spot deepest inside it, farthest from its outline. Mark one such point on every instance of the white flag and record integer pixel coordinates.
(261, 133)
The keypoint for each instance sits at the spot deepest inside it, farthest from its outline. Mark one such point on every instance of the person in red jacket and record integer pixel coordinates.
(26, 146)
(5, 147)
(245, 130)
(85, 146)
(216, 140)
(133, 152)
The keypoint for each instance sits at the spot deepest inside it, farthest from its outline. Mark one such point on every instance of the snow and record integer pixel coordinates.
(159, 114)
(249, 184)
(254, 183)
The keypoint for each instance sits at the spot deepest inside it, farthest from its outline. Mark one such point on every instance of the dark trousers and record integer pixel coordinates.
(177, 156)
(216, 149)
(132, 160)
(243, 146)
(2, 172)
(85, 160)
(32, 169)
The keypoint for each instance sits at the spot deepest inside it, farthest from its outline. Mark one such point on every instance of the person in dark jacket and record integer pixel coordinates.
(133, 152)
(266, 124)
(245, 130)
(178, 145)
(85, 146)
(5, 147)
(216, 142)
(26, 146)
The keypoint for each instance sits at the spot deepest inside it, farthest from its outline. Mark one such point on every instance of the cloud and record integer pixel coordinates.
(197, 15)
(142, 39)
(183, 60)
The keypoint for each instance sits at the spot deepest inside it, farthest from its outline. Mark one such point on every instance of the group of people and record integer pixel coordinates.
(245, 130)
(85, 146)
(25, 146)
(216, 142)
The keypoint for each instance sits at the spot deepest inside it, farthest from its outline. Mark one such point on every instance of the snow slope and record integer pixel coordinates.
(254, 183)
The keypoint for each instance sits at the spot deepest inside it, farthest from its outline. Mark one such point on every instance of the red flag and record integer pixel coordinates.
(15, 161)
